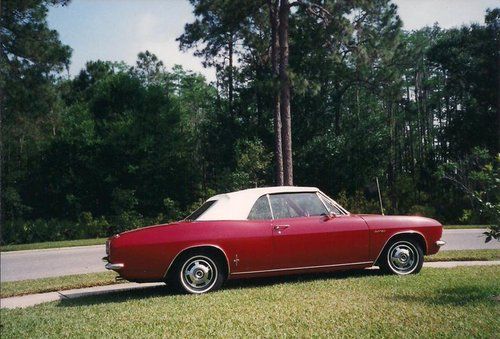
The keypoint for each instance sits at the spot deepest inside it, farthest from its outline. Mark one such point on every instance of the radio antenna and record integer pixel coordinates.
(380, 197)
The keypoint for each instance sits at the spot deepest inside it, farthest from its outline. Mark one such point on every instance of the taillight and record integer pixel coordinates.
(107, 246)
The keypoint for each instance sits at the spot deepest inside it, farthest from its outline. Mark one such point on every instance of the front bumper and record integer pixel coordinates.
(440, 243)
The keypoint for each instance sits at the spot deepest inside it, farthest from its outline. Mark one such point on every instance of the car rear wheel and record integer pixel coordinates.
(402, 257)
(197, 273)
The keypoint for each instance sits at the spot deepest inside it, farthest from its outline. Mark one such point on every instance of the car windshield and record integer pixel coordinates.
(202, 209)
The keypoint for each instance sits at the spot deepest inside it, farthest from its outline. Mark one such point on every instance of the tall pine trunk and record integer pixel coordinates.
(230, 75)
(286, 119)
(278, 151)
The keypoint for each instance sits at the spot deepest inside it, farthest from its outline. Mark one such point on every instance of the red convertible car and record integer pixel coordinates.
(270, 231)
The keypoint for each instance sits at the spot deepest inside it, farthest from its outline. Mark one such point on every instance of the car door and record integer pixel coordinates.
(349, 239)
(301, 238)
(349, 235)
(304, 235)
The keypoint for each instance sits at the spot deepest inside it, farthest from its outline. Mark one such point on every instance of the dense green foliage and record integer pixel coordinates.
(121, 146)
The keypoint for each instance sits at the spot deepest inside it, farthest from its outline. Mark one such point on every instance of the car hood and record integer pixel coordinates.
(379, 221)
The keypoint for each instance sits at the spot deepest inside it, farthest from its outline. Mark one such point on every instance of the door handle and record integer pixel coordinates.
(280, 227)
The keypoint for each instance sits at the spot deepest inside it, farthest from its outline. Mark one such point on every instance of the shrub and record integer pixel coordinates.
(93, 228)
(422, 210)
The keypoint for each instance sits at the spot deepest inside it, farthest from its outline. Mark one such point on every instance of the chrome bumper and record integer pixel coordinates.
(440, 243)
(114, 267)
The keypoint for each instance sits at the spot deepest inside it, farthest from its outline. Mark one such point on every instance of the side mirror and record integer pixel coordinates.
(329, 215)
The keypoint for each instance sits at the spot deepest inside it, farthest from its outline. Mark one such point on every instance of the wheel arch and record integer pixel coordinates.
(415, 235)
(217, 250)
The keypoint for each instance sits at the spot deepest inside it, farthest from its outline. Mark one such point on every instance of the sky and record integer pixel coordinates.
(118, 30)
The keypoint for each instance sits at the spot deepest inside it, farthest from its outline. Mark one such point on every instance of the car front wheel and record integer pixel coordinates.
(197, 273)
(403, 257)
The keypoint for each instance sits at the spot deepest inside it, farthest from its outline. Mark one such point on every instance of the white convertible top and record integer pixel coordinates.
(237, 205)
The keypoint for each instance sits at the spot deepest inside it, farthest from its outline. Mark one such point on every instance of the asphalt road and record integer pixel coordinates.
(35, 264)
(21, 265)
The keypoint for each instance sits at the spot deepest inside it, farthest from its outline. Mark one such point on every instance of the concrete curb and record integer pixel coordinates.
(39, 298)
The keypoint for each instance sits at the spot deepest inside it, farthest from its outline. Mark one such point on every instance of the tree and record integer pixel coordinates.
(148, 68)
(31, 56)
(286, 117)
(119, 146)
(215, 33)
(273, 6)
(478, 176)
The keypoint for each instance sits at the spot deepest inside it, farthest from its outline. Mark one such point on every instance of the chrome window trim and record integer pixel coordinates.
(336, 204)
(322, 201)
(270, 206)
(303, 268)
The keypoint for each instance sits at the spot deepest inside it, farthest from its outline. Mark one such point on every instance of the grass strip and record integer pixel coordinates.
(463, 227)
(464, 255)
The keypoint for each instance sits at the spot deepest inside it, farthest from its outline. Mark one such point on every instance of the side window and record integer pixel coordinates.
(260, 210)
(281, 206)
(293, 205)
(310, 204)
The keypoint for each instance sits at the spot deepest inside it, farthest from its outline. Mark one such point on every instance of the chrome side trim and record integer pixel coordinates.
(440, 243)
(114, 267)
(303, 268)
(398, 233)
(195, 246)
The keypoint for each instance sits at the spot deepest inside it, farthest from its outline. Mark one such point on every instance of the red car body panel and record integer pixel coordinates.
(268, 247)
(382, 228)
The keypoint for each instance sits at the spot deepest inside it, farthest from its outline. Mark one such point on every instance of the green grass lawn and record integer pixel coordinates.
(457, 302)
(16, 288)
(53, 244)
(464, 255)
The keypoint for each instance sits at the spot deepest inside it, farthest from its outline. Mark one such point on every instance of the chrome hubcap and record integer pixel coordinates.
(403, 257)
(199, 273)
